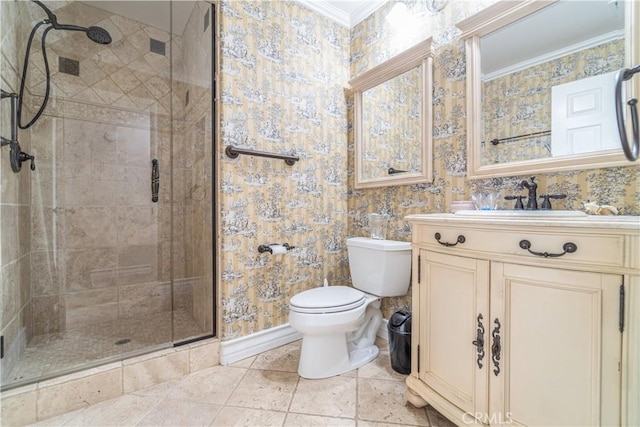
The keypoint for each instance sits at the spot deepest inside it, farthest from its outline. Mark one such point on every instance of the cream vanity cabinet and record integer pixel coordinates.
(527, 321)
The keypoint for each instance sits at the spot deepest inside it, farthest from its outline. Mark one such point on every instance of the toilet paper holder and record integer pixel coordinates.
(268, 247)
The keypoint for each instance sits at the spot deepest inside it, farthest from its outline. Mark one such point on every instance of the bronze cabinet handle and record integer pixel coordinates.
(567, 247)
(460, 240)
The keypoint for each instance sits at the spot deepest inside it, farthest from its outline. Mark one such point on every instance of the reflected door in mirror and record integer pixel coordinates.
(516, 53)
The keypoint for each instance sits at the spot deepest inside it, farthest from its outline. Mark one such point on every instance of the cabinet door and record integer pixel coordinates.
(560, 346)
(454, 291)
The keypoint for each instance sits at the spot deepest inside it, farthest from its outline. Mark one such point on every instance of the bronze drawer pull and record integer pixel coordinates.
(460, 239)
(567, 247)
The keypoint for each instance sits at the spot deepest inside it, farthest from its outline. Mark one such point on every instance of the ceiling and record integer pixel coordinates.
(150, 12)
(156, 13)
(552, 32)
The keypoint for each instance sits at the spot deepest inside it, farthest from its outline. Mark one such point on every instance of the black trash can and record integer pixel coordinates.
(399, 328)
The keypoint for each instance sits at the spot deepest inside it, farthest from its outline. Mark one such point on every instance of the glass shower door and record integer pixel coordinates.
(192, 160)
(98, 269)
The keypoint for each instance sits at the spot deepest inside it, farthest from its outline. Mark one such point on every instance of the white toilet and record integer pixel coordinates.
(339, 323)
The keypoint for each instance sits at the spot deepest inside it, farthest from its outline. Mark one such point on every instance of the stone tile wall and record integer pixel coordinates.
(98, 237)
(15, 200)
(192, 168)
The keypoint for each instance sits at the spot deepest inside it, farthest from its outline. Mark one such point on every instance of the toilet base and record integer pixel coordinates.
(324, 356)
(335, 362)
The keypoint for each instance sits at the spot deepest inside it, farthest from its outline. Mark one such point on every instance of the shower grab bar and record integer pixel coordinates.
(233, 152)
(630, 151)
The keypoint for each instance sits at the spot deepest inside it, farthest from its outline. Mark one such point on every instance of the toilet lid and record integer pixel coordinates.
(330, 299)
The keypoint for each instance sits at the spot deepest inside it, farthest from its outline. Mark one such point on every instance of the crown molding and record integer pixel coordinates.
(364, 10)
(330, 11)
(340, 16)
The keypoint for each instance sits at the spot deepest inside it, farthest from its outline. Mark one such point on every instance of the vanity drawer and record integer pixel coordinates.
(600, 249)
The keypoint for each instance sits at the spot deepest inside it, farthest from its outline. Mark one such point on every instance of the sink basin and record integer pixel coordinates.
(522, 214)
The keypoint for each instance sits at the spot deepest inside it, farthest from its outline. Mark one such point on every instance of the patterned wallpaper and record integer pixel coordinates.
(283, 73)
(391, 126)
(284, 70)
(375, 40)
(520, 102)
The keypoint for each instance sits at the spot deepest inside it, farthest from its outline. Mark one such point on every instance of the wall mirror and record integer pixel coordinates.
(540, 84)
(392, 120)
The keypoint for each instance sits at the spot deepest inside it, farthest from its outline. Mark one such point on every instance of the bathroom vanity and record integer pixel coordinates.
(526, 319)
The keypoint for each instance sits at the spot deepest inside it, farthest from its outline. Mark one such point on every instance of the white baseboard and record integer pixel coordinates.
(240, 348)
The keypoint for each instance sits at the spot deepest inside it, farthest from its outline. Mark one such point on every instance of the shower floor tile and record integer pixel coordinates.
(58, 353)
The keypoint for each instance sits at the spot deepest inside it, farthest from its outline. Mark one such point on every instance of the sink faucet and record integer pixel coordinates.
(532, 200)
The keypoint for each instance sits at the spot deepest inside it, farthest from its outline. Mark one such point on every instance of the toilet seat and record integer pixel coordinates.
(328, 299)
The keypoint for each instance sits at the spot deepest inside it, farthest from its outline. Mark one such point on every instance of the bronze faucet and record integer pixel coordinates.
(532, 200)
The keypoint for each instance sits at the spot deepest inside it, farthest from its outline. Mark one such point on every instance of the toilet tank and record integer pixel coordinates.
(380, 267)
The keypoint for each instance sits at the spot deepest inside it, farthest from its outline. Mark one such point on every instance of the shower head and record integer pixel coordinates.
(96, 34)
(99, 35)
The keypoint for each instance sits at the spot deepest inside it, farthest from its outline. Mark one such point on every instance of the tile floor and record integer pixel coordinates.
(264, 390)
(60, 352)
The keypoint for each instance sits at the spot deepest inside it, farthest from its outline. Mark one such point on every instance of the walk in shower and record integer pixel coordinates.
(106, 248)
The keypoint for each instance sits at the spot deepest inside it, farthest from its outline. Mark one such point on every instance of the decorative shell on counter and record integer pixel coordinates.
(596, 209)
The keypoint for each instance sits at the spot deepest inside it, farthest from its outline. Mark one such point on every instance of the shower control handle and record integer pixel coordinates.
(17, 156)
(24, 157)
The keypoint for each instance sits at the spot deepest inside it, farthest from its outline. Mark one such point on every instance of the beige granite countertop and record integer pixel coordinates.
(625, 222)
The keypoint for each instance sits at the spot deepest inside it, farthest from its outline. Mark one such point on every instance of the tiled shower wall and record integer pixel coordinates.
(192, 167)
(15, 200)
(98, 240)
(82, 243)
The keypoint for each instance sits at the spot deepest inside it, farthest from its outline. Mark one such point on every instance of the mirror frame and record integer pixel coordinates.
(499, 15)
(419, 55)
